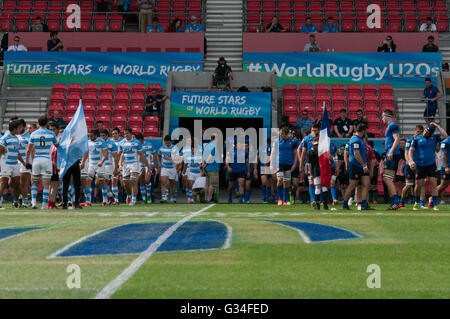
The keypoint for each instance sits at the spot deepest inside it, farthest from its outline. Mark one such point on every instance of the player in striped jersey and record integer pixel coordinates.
(111, 163)
(117, 139)
(168, 166)
(9, 149)
(131, 152)
(97, 154)
(25, 173)
(147, 175)
(39, 149)
(192, 160)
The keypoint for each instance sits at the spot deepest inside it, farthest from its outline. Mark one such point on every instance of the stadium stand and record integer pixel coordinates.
(19, 15)
(114, 106)
(371, 99)
(349, 15)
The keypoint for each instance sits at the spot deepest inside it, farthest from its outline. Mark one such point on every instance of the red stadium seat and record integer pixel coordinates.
(91, 88)
(104, 108)
(119, 120)
(151, 121)
(75, 88)
(59, 88)
(106, 88)
(136, 129)
(106, 98)
(410, 22)
(369, 88)
(120, 108)
(100, 22)
(290, 88)
(321, 89)
(138, 88)
(22, 22)
(135, 120)
(305, 88)
(290, 109)
(137, 98)
(385, 88)
(122, 88)
(354, 88)
(136, 108)
(338, 89)
(371, 105)
(348, 22)
(354, 103)
(156, 86)
(394, 22)
(338, 103)
(55, 107)
(151, 131)
(53, 21)
(376, 132)
(103, 118)
(68, 117)
(115, 22)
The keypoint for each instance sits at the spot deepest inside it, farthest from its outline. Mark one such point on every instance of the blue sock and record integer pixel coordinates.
(417, 198)
(285, 194)
(45, 192)
(280, 192)
(133, 198)
(396, 200)
(34, 192)
(143, 192)
(263, 191)
(435, 201)
(230, 198)
(333, 192)
(421, 203)
(241, 199)
(312, 195)
(364, 203)
(247, 196)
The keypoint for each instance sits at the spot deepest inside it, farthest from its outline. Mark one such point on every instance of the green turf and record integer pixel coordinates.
(266, 260)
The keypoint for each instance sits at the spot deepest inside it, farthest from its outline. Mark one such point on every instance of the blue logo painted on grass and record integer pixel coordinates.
(136, 238)
(313, 232)
(8, 232)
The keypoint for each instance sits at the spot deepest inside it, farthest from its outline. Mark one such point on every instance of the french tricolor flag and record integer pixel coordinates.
(324, 151)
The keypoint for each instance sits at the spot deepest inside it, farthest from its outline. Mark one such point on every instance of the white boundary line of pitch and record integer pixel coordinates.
(117, 282)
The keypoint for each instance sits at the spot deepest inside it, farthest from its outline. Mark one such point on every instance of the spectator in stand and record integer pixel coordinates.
(275, 26)
(194, 26)
(155, 26)
(342, 126)
(39, 26)
(445, 67)
(360, 118)
(387, 45)
(330, 27)
(431, 94)
(176, 26)
(428, 26)
(16, 46)
(309, 27)
(153, 104)
(99, 127)
(57, 120)
(430, 46)
(145, 13)
(313, 45)
(102, 5)
(54, 44)
(304, 124)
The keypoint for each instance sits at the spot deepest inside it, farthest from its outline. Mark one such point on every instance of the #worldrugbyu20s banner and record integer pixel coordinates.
(220, 105)
(398, 69)
(47, 68)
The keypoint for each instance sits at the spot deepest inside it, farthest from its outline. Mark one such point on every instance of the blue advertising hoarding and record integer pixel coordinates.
(47, 68)
(397, 69)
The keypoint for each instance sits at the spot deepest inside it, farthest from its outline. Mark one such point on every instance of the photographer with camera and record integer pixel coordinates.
(222, 75)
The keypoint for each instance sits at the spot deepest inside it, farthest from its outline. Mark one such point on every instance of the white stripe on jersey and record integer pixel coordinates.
(43, 140)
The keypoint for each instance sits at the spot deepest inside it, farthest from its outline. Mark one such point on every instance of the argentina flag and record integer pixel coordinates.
(74, 142)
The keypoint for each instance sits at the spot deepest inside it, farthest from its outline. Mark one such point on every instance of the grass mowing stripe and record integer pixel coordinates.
(114, 285)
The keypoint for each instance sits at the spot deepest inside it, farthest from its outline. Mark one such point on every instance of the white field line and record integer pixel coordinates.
(227, 243)
(116, 283)
(301, 233)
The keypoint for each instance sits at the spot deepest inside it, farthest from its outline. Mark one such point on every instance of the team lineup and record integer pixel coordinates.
(133, 165)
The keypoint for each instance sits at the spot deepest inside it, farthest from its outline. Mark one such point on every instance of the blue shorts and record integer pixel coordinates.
(284, 167)
(392, 165)
(355, 172)
(426, 171)
(444, 177)
(233, 176)
(409, 173)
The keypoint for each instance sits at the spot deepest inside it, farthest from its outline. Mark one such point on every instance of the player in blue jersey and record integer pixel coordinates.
(39, 150)
(306, 145)
(445, 168)
(117, 139)
(25, 173)
(252, 172)
(408, 172)
(425, 147)
(392, 142)
(267, 176)
(168, 167)
(284, 159)
(97, 154)
(131, 157)
(10, 156)
(192, 168)
(146, 179)
(111, 164)
(237, 165)
(358, 170)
